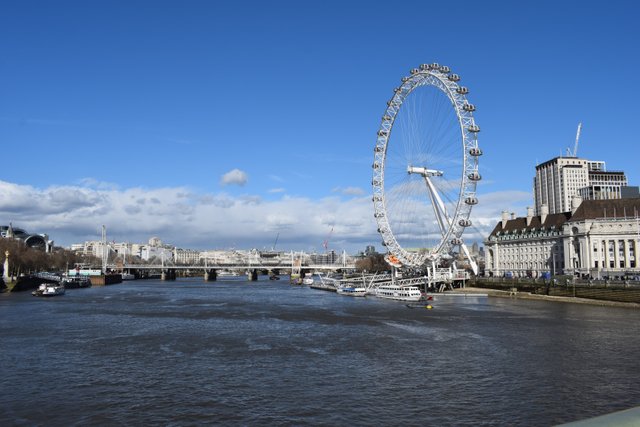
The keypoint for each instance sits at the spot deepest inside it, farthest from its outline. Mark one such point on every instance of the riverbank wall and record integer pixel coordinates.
(106, 279)
(567, 289)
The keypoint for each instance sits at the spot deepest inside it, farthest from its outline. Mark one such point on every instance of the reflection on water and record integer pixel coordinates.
(236, 352)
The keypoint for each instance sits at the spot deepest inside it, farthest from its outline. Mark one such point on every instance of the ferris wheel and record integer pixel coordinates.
(425, 168)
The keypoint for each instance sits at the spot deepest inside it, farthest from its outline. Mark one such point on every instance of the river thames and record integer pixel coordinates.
(235, 352)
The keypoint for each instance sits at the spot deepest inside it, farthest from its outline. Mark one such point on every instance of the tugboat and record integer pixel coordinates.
(48, 290)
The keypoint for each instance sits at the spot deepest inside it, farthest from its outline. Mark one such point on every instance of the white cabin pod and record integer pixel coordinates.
(456, 242)
(375, 182)
(471, 200)
(469, 107)
(414, 71)
(474, 176)
(462, 90)
(475, 151)
(445, 69)
(383, 132)
(386, 118)
(376, 198)
(378, 215)
(454, 77)
(404, 79)
(424, 67)
(378, 149)
(376, 165)
(465, 222)
(434, 66)
(474, 128)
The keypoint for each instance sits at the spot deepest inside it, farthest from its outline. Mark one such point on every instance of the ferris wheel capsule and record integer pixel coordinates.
(465, 223)
(454, 77)
(469, 107)
(462, 90)
(474, 176)
(473, 128)
(471, 201)
(475, 151)
(444, 69)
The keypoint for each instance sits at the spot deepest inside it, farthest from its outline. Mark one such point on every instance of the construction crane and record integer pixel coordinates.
(273, 248)
(575, 146)
(325, 244)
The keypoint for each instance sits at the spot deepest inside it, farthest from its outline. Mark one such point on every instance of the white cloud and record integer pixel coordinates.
(277, 190)
(234, 177)
(180, 216)
(349, 191)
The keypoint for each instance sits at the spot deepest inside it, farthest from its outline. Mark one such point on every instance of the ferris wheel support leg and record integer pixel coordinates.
(439, 207)
(474, 266)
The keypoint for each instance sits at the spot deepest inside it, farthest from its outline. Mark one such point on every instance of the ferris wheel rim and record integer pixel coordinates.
(441, 78)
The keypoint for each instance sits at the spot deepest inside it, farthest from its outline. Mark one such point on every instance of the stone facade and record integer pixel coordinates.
(598, 238)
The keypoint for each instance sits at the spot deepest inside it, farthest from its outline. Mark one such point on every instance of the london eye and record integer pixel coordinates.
(425, 168)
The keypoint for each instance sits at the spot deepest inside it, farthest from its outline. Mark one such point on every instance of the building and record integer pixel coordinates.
(159, 253)
(596, 238)
(34, 241)
(186, 256)
(559, 179)
(604, 185)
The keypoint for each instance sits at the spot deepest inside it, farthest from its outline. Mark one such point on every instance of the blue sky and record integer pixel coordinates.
(217, 125)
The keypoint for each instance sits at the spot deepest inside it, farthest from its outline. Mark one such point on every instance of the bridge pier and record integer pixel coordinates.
(252, 275)
(210, 276)
(168, 274)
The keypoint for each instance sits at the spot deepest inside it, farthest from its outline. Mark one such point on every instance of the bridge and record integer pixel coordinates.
(296, 266)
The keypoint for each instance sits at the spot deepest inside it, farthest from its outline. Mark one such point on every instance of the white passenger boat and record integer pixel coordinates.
(49, 290)
(308, 280)
(402, 293)
(352, 291)
(128, 276)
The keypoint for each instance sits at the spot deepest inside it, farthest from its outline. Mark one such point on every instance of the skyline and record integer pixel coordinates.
(217, 126)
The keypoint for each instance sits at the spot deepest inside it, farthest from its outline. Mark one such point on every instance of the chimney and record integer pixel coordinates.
(529, 215)
(513, 215)
(505, 218)
(576, 201)
(544, 211)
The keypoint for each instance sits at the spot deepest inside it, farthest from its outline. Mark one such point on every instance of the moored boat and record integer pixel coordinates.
(75, 282)
(402, 293)
(352, 291)
(49, 290)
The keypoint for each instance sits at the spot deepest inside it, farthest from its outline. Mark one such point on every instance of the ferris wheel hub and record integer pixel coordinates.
(423, 171)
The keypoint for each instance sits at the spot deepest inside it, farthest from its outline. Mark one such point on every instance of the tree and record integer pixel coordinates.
(372, 263)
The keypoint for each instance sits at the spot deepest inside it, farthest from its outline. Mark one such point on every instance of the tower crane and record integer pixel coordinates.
(575, 146)
(325, 244)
